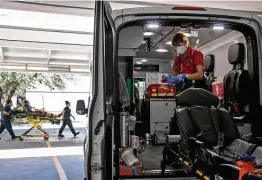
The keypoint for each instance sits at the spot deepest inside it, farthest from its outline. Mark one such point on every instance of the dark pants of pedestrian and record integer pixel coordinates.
(68, 122)
(6, 124)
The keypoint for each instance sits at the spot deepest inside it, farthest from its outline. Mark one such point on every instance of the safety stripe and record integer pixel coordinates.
(59, 168)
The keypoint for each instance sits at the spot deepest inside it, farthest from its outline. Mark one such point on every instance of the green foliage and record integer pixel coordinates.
(16, 83)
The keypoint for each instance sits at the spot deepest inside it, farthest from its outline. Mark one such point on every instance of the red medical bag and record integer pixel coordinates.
(160, 90)
(218, 89)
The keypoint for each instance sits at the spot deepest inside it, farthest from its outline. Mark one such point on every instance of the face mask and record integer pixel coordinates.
(181, 49)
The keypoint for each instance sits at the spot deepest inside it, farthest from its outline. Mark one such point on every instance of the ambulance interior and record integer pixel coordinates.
(145, 54)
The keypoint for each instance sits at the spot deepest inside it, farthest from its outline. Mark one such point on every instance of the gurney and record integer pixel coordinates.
(36, 118)
(205, 141)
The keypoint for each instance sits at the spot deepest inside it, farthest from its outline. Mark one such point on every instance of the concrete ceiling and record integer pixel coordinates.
(48, 33)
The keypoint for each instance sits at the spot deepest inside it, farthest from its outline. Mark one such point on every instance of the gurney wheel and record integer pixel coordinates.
(21, 138)
(46, 136)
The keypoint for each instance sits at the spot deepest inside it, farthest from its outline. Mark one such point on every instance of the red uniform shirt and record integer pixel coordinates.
(186, 64)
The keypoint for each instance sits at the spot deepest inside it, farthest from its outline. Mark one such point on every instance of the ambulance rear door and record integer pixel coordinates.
(99, 141)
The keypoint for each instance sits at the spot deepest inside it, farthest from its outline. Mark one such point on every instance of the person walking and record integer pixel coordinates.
(66, 117)
(6, 120)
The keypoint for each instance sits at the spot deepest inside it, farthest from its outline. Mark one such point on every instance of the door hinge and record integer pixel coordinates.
(96, 168)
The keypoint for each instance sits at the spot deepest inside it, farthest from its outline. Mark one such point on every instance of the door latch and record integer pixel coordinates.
(98, 126)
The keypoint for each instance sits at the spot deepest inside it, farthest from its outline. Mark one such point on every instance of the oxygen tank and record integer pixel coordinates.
(124, 129)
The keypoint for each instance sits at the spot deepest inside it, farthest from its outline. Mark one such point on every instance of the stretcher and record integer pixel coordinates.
(206, 142)
(36, 122)
(36, 118)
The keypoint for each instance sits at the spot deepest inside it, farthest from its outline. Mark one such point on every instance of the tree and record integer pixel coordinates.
(16, 83)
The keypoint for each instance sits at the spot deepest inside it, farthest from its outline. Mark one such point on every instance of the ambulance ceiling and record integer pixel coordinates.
(57, 36)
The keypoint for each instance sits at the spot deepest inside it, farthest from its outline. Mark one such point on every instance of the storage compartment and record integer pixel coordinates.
(161, 112)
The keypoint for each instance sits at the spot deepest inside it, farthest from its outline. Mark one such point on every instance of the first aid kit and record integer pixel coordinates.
(160, 90)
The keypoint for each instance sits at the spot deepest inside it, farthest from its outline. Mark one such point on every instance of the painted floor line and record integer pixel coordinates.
(59, 168)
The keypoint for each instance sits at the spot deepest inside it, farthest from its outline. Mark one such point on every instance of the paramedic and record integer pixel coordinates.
(6, 120)
(66, 114)
(188, 66)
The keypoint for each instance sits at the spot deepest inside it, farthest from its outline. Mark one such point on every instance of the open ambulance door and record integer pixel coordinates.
(98, 151)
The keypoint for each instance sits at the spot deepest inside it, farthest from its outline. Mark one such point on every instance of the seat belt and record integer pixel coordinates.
(251, 149)
(221, 135)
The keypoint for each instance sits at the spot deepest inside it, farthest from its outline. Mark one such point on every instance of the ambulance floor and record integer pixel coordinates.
(151, 159)
(37, 159)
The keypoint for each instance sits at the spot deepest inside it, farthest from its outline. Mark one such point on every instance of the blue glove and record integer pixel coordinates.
(182, 76)
(173, 80)
(246, 158)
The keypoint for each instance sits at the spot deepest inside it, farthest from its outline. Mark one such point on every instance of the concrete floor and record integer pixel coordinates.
(53, 159)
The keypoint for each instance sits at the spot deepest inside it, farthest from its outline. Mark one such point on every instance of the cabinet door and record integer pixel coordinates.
(162, 110)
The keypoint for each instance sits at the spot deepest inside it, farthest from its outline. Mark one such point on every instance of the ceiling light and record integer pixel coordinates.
(218, 27)
(144, 60)
(138, 62)
(148, 33)
(153, 26)
(162, 50)
(169, 43)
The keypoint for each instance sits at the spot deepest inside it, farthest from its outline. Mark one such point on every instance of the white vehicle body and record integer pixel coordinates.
(99, 152)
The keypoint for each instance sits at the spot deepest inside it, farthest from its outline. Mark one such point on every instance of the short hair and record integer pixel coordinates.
(179, 37)
(67, 102)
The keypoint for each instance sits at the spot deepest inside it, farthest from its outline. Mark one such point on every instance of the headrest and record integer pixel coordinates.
(209, 62)
(197, 97)
(236, 53)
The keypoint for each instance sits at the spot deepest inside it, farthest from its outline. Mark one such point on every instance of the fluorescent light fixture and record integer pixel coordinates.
(13, 67)
(44, 20)
(153, 26)
(161, 50)
(37, 68)
(148, 33)
(69, 63)
(169, 43)
(138, 62)
(218, 27)
(144, 60)
(26, 62)
(80, 70)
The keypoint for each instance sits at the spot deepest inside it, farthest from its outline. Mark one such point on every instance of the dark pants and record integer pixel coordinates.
(67, 122)
(6, 124)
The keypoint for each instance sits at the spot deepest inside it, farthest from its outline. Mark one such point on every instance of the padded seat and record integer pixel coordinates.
(206, 123)
(236, 82)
